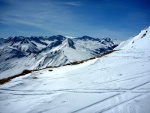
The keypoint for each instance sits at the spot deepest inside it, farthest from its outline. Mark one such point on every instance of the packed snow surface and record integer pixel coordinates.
(116, 83)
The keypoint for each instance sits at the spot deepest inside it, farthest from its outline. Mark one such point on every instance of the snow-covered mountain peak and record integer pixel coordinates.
(87, 38)
(106, 39)
(56, 37)
(69, 42)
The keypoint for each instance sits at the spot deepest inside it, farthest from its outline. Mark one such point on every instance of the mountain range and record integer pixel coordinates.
(19, 53)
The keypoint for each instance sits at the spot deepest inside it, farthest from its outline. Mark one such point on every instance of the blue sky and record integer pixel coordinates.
(117, 19)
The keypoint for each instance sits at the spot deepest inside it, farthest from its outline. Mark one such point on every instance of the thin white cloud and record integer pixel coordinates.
(72, 3)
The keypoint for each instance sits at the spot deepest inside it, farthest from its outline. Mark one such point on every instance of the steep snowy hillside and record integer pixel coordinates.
(20, 53)
(141, 41)
(115, 83)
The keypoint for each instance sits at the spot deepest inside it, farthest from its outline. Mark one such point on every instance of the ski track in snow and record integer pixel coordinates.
(134, 90)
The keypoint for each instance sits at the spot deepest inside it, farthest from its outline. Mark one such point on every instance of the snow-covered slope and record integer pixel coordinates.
(20, 53)
(115, 83)
(141, 41)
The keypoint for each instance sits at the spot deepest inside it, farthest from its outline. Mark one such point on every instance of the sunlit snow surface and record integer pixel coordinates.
(116, 83)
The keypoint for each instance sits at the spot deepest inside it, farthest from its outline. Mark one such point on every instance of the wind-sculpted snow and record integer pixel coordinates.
(20, 53)
(118, 82)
